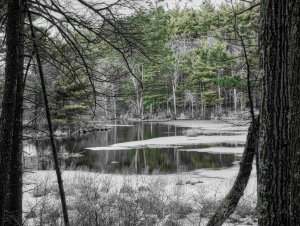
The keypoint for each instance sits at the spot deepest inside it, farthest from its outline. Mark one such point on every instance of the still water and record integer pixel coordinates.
(142, 160)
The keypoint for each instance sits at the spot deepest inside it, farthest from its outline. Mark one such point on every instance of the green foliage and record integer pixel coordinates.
(155, 64)
(230, 81)
(70, 115)
(213, 63)
(73, 97)
(192, 22)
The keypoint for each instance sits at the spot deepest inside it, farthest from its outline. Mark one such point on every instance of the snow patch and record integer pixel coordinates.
(183, 140)
(217, 150)
(107, 148)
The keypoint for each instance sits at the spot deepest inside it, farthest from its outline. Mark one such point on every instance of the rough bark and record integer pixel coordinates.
(15, 175)
(16, 169)
(14, 26)
(279, 153)
(231, 200)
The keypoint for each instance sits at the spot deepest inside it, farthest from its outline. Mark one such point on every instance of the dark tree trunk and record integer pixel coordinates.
(49, 120)
(14, 27)
(279, 152)
(231, 200)
(16, 169)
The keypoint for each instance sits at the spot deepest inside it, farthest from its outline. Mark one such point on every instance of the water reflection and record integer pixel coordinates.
(144, 160)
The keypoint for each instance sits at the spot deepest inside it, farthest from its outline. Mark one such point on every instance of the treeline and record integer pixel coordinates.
(182, 63)
(203, 62)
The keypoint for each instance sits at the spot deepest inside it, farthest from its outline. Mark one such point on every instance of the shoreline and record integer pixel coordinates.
(190, 189)
(229, 133)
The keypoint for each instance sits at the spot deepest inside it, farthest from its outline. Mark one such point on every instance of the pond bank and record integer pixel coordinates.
(32, 134)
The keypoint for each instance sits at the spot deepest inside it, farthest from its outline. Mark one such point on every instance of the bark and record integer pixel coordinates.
(231, 200)
(16, 167)
(51, 133)
(279, 153)
(13, 45)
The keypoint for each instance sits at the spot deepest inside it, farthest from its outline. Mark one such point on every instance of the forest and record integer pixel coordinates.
(121, 112)
(190, 66)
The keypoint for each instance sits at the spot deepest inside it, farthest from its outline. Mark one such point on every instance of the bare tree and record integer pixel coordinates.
(93, 22)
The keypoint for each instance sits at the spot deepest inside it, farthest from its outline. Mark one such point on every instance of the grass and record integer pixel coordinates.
(139, 203)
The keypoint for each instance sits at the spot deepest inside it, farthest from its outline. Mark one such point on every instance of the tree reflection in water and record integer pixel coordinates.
(143, 160)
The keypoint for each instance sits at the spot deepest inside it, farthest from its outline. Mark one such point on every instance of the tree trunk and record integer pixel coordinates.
(16, 169)
(234, 95)
(142, 95)
(231, 200)
(235, 100)
(241, 101)
(14, 27)
(192, 109)
(115, 103)
(220, 104)
(202, 102)
(174, 100)
(49, 120)
(279, 153)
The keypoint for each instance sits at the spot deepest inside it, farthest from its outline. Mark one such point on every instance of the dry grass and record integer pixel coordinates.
(100, 202)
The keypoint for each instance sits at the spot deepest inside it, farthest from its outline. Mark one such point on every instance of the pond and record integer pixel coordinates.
(137, 160)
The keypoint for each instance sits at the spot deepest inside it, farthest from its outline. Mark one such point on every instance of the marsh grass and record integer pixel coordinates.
(93, 201)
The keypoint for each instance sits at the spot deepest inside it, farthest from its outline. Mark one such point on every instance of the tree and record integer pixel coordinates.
(10, 119)
(73, 99)
(106, 27)
(228, 205)
(217, 68)
(204, 69)
(279, 153)
(144, 89)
